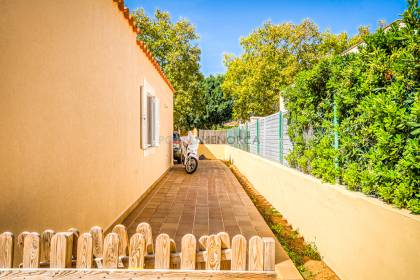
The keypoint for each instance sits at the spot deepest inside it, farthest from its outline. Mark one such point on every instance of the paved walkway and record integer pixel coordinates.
(209, 201)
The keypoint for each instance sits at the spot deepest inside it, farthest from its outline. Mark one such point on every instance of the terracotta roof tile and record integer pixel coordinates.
(141, 44)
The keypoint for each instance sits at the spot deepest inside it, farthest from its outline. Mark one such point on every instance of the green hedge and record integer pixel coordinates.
(370, 103)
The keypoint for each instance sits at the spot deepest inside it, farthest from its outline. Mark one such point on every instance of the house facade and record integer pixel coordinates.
(85, 115)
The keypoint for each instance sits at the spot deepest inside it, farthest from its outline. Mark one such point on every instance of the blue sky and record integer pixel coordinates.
(220, 24)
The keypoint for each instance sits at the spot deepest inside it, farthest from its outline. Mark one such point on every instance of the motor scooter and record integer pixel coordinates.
(189, 152)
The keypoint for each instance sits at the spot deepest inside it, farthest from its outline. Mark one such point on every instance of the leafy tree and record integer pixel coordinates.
(217, 106)
(174, 47)
(358, 38)
(272, 56)
(375, 93)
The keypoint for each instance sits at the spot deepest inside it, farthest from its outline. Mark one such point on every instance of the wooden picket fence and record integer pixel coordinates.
(92, 255)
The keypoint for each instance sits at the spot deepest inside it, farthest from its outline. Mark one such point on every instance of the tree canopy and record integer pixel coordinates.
(174, 46)
(272, 56)
(217, 106)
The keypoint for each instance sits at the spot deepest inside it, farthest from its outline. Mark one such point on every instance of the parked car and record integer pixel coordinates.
(176, 146)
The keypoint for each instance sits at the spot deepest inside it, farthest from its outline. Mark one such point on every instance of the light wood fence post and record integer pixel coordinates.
(121, 230)
(188, 252)
(110, 253)
(269, 253)
(75, 236)
(163, 250)
(6, 250)
(31, 250)
(146, 230)
(84, 251)
(61, 250)
(214, 252)
(255, 262)
(238, 262)
(137, 251)
(46, 237)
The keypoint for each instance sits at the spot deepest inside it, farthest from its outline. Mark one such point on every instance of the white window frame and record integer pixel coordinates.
(150, 116)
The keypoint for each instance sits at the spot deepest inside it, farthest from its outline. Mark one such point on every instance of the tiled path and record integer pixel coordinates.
(209, 201)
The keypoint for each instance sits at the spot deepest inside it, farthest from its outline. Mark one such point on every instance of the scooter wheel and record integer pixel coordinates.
(191, 165)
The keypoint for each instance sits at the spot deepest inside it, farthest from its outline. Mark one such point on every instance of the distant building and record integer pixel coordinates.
(355, 48)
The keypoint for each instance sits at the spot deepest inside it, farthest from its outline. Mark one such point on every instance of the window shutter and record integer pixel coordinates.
(143, 116)
(156, 123)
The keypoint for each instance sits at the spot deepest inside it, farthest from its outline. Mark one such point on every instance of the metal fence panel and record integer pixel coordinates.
(271, 137)
(266, 137)
(253, 137)
(287, 143)
(261, 136)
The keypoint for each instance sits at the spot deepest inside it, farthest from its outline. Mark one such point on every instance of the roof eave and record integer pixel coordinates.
(140, 43)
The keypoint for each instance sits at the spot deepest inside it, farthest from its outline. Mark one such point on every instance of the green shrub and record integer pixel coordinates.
(377, 106)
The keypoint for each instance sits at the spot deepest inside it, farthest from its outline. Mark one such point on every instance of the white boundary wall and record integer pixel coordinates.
(359, 237)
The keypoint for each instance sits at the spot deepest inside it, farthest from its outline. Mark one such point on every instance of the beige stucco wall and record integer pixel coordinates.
(358, 236)
(70, 73)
